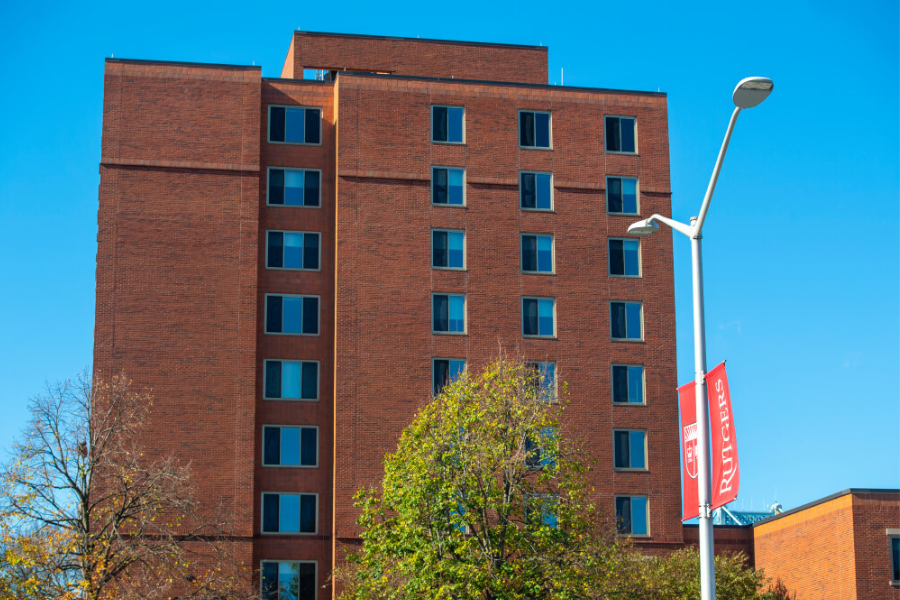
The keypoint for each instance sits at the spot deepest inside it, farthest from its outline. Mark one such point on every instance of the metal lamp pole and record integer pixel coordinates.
(748, 93)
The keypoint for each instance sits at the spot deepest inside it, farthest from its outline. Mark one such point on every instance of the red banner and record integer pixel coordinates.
(726, 474)
(689, 442)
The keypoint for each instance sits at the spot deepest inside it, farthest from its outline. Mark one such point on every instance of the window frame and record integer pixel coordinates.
(318, 314)
(540, 365)
(268, 268)
(542, 497)
(609, 261)
(627, 381)
(294, 360)
(436, 358)
(301, 466)
(605, 134)
(552, 237)
(295, 106)
(431, 187)
(463, 232)
(646, 466)
(626, 303)
(262, 516)
(431, 126)
(465, 330)
(522, 318)
(268, 175)
(315, 564)
(637, 196)
(893, 534)
(549, 130)
(552, 192)
(647, 509)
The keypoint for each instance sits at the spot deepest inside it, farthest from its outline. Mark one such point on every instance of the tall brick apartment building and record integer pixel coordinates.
(295, 265)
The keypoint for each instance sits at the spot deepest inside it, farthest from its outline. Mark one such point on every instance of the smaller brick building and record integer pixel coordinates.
(844, 546)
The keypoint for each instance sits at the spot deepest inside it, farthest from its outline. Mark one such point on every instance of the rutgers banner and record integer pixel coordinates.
(725, 471)
(690, 498)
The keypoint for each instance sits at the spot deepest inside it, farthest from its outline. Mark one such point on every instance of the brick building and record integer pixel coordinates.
(294, 265)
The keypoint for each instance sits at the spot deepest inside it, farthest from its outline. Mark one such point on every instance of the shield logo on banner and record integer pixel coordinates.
(689, 439)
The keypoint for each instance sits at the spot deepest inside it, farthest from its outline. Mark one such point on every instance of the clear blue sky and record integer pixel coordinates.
(801, 243)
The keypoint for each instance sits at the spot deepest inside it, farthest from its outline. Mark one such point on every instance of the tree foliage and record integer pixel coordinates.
(88, 514)
(485, 497)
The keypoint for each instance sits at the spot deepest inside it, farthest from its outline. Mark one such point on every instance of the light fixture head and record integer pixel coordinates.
(752, 91)
(645, 227)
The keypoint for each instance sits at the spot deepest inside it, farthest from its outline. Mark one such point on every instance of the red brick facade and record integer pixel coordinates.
(182, 277)
(838, 547)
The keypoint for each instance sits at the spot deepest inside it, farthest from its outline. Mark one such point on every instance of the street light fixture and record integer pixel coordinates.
(749, 92)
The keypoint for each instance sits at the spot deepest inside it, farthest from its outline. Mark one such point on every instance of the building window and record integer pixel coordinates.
(448, 313)
(445, 371)
(534, 129)
(288, 580)
(620, 135)
(629, 449)
(895, 559)
(292, 315)
(292, 250)
(294, 187)
(290, 380)
(447, 124)
(541, 509)
(624, 258)
(627, 384)
(448, 249)
(290, 446)
(538, 319)
(621, 196)
(289, 513)
(537, 253)
(544, 379)
(632, 517)
(295, 125)
(535, 455)
(447, 186)
(535, 191)
(625, 321)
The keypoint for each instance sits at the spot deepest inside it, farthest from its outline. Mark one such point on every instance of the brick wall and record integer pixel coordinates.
(873, 514)
(384, 344)
(420, 58)
(728, 538)
(177, 264)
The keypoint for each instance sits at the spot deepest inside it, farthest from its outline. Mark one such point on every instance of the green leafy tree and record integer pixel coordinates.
(486, 498)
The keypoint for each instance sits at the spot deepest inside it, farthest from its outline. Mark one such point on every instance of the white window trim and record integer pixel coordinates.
(543, 497)
(549, 128)
(646, 451)
(643, 383)
(892, 534)
(522, 317)
(268, 174)
(646, 504)
(286, 106)
(552, 192)
(263, 444)
(431, 123)
(465, 330)
(609, 316)
(552, 237)
(463, 232)
(294, 360)
(555, 398)
(464, 186)
(315, 563)
(637, 148)
(262, 515)
(640, 258)
(637, 196)
(316, 270)
(318, 315)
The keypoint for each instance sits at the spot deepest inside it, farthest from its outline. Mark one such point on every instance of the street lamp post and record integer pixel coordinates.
(748, 93)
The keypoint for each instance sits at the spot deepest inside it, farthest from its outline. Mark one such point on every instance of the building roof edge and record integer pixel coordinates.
(144, 61)
(415, 39)
(828, 498)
